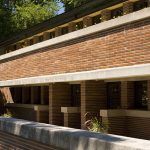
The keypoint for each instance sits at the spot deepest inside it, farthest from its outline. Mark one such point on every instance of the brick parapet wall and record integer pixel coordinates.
(72, 120)
(122, 46)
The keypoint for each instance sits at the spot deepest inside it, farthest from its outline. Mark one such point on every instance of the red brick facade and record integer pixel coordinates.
(122, 46)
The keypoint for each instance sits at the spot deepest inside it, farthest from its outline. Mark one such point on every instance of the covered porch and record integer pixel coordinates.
(121, 98)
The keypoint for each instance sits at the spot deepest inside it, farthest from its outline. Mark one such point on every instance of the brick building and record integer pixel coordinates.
(94, 59)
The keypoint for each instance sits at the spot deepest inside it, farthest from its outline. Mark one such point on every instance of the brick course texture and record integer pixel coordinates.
(136, 127)
(93, 98)
(59, 96)
(122, 46)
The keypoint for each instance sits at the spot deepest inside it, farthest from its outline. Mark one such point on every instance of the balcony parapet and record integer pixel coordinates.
(70, 110)
(124, 113)
(69, 138)
(28, 106)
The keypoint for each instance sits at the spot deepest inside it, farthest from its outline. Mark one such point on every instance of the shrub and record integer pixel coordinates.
(95, 124)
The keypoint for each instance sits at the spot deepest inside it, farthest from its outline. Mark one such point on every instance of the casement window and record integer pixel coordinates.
(51, 35)
(114, 95)
(140, 94)
(41, 38)
(96, 19)
(79, 25)
(117, 12)
(75, 95)
(64, 30)
(31, 41)
(140, 5)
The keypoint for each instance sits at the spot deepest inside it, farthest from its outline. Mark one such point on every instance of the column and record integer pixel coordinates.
(27, 42)
(87, 21)
(106, 15)
(57, 31)
(59, 96)
(127, 7)
(72, 26)
(127, 94)
(93, 98)
(35, 39)
(148, 93)
(46, 36)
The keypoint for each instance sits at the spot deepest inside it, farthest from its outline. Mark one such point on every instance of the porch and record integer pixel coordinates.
(124, 104)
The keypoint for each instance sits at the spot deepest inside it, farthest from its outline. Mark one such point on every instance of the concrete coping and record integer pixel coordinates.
(132, 17)
(69, 138)
(124, 113)
(70, 110)
(28, 106)
(125, 73)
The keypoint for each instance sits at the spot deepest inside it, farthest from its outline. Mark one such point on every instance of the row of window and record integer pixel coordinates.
(138, 94)
(79, 25)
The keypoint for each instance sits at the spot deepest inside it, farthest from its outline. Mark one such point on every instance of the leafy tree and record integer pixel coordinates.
(31, 13)
(16, 15)
(70, 4)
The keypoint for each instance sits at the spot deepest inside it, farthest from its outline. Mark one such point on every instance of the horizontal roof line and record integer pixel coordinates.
(133, 17)
(142, 70)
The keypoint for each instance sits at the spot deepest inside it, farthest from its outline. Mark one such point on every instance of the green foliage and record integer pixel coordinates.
(21, 14)
(30, 14)
(7, 115)
(70, 4)
(16, 15)
(95, 124)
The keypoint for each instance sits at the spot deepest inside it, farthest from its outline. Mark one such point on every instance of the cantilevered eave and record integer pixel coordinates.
(133, 17)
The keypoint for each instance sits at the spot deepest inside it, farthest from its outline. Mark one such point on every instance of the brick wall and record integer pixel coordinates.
(93, 98)
(127, 94)
(29, 114)
(138, 127)
(59, 96)
(121, 46)
(72, 120)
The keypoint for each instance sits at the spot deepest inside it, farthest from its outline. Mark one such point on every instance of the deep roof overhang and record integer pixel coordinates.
(79, 12)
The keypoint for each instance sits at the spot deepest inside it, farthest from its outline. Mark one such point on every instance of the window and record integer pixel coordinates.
(140, 5)
(140, 94)
(64, 30)
(79, 25)
(41, 38)
(15, 47)
(31, 41)
(51, 35)
(114, 95)
(117, 12)
(96, 19)
(75, 95)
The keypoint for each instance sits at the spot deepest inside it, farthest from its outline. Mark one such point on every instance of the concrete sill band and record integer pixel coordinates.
(124, 113)
(69, 138)
(70, 110)
(129, 18)
(126, 72)
(28, 106)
